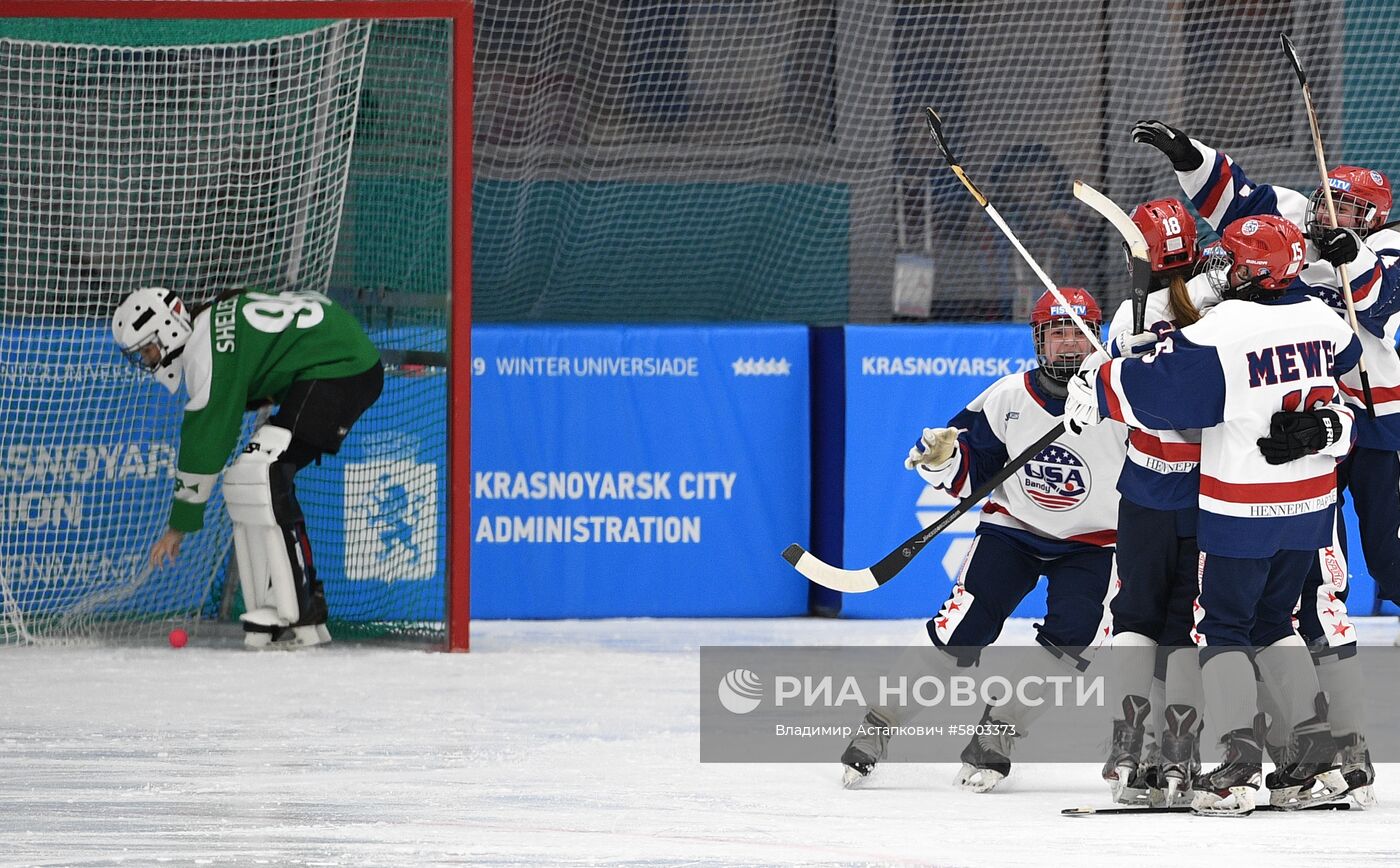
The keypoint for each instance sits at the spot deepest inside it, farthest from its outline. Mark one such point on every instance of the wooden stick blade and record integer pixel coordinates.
(935, 128)
(1108, 210)
(824, 574)
(1292, 54)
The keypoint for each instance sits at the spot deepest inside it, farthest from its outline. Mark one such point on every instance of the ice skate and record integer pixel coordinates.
(1149, 776)
(1360, 775)
(1229, 789)
(286, 638)
(1122, 770)
(987, 757)
(1180, 757)
(865, 750)
(1314, 776)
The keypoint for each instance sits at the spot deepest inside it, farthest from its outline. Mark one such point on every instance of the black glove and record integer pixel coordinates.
(1294, 435)
(1170, 141)
(1339, 246)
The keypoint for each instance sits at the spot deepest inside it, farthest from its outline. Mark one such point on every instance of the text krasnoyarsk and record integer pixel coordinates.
(942, 366)
(930, 690)
(603, 485)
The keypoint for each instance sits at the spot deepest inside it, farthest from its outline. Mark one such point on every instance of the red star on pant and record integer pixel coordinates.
(1328, 552)
(958, 590)
(953, 607)
(1331, 613)
(1105, 631)
(1340, 629)
(1331, 597)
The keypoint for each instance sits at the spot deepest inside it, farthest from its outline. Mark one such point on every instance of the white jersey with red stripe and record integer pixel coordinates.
(1222, 193)
(1066, 492)
(1227, 375)
(1162, 470)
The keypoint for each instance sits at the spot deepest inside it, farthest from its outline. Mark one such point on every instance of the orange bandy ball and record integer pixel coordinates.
(178, 638)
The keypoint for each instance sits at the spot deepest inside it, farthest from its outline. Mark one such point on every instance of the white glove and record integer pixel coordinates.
(1095, 360)
(1135, 345)
(933, 449)
(1082, 401)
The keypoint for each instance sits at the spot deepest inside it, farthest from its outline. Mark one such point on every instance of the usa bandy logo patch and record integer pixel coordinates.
(1056, 479)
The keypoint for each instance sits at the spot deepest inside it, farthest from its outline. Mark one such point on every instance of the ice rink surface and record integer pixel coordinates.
(552, 742)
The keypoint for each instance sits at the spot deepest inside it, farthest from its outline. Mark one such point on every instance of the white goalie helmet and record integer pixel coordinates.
(153, 317)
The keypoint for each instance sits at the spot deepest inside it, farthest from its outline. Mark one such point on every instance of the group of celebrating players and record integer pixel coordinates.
(1195, 519)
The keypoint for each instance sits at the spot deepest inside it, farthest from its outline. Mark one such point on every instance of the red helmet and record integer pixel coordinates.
(1170, 232)
(1262, 253)
(1362, 197)
(1047, 311)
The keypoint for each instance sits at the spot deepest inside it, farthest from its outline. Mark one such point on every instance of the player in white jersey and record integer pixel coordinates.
(1258, 377)
(1055, 517)
(1370, 251)
(1157, 554)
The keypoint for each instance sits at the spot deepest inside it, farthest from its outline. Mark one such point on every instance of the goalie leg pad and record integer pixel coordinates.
(257, 502)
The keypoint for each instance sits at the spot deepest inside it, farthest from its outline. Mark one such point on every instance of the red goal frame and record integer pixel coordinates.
(457, 582)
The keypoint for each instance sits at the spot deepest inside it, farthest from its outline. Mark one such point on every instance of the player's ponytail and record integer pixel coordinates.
(1184, 311)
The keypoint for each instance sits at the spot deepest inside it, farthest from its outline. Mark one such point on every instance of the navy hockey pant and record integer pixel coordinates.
(1248, 601)
(1000, 571)
(1157, 562)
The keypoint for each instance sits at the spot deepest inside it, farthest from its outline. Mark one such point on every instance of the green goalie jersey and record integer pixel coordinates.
(245, 349)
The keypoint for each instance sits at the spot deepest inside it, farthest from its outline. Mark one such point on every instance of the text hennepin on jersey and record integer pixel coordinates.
(579, 485)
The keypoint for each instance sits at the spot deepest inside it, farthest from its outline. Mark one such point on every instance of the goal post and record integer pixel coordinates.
(209, 145)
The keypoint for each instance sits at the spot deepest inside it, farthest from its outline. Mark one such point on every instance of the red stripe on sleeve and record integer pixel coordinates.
(1216, 192)
(1110, 397)
(1147, 444)
(1358, 295)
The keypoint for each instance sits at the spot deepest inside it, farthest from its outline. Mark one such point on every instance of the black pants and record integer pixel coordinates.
(319, 413)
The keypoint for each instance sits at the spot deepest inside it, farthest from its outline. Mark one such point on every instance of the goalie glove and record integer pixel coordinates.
(1296, 435)
(1170, 141)
(1134, 345)
(1082, 401)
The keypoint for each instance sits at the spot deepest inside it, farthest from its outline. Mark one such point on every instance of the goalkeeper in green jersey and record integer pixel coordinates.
(297, 350)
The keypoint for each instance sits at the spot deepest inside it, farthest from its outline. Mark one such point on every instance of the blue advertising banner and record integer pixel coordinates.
(900, 380)
(376, 512)
(87, 464)
(638, 471)
(87, 460)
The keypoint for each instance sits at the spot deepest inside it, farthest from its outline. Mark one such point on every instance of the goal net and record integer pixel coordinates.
(202, 156)
(660, 161)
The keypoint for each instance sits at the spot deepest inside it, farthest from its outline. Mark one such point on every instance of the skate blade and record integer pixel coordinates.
(852, 779)
(1326, 787)
(977, 780)
(297, 639)
(1177, 794)
(1364, 797)
(1120, 791)
(1239, 803)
